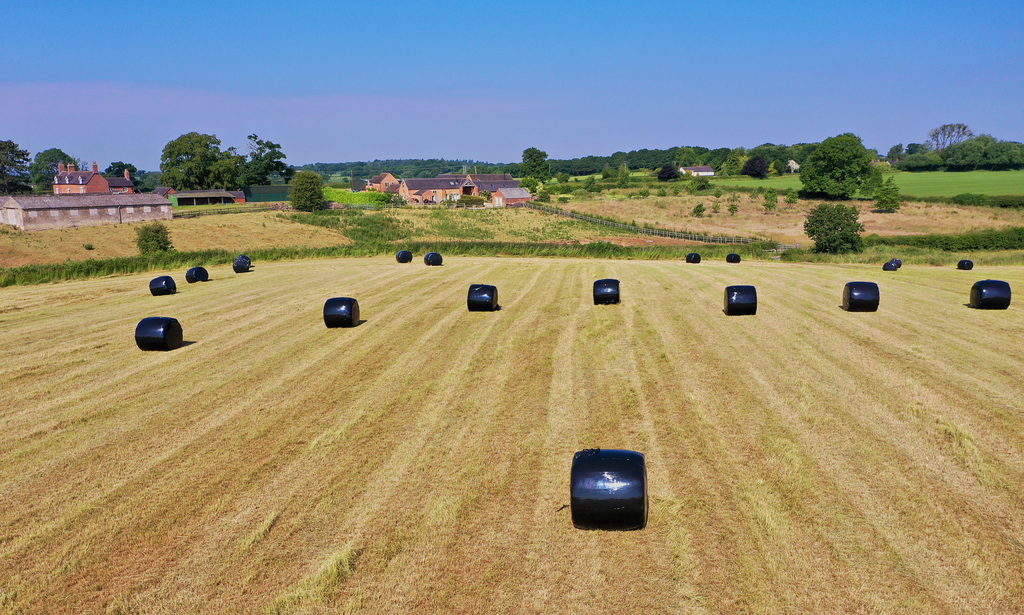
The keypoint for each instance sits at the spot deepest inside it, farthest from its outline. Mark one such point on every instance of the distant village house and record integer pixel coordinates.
(69, 180)
(698, 171)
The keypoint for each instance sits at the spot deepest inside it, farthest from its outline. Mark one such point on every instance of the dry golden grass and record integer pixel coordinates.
(786, 224)
(804, 460)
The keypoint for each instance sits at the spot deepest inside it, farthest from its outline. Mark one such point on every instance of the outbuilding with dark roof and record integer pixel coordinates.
(37, 213)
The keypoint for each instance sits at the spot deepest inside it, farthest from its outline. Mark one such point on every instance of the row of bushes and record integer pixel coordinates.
(163, 261)
(1004, 200)
(1002, 239)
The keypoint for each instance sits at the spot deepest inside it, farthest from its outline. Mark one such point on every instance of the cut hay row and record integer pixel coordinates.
(807, 459)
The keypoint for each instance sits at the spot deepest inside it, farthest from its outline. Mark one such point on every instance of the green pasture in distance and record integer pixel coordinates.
(930, 183)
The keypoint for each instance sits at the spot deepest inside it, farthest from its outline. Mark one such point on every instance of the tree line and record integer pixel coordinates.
(954, 147)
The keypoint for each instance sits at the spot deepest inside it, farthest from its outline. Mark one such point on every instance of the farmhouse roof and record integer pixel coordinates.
(701, 168)
(120, 182)
(495, 185)
(435, 183)
(491, 177)
(163, 190)
(515, 193)
(74, 177)
(75, 201)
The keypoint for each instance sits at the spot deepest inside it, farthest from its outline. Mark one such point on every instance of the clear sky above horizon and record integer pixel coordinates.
(347, 81)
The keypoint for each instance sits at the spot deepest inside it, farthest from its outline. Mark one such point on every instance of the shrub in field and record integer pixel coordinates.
(792, 196)
(835, 228)
(887, 196)
(733, 207)
(771, 200)
(699, 183)
(307, 191)
(643, 193)
(698, 210)
(153, 237)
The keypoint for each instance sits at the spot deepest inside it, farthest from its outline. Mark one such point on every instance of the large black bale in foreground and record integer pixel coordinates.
(482, 298)
(404, 256)
(860, 297)
(890, 266)
(432, 259)
(990, 295)
(740, 300)
(608, 490)
(158, 333)
(693, 257)
(732, 258)
(163, 285)
(606, 291)
(197, 274)
(242, 264)
(341, 312)
(965, 265)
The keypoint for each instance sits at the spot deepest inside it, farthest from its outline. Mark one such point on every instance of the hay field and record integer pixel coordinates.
(803, 460)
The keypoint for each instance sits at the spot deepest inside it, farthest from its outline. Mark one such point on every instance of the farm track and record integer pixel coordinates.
(805, 459)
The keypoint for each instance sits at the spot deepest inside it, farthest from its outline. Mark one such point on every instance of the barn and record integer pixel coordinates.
(39, 213)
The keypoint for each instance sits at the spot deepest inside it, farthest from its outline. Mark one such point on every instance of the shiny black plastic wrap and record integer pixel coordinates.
(965, 265)
(693, 257)
(606, 291)
(890, 266)
(482, 298)
(897, 262)
(158, 333)
(163, 285)
(733, 258)
(433, 259)
(608, 490)
(990, 295)
(197, 274)
(404, 256)
(242, 264)
(341, 312)
(740, 300)
(860, 297)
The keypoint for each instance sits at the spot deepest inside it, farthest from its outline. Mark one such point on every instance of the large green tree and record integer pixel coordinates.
(887, 196)
(838, 168)
(949, 134)
(117, 169)
(535, 164)
(834, 228)
(307, 191)
(265, 162)
(44, 168)
(14, 173)
(195, 161)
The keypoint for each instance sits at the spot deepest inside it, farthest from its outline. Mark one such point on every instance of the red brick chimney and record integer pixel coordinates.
(71, 168)
(60, 167)
(126, 174)
(95, 168)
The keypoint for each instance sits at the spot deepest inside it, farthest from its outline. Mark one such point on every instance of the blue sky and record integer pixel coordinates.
(345, 81)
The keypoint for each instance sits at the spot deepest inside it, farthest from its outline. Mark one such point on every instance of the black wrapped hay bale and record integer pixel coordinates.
(860, 297)
(990, 295)
(404, 256)
(897, 262)
(433, 259)
(890, 266)
(693, 257)
(197, 274)
(965, 265)
(242, 264)
(732, 258)
(606, 291)
(158, 333)
(482, 298)
(341, 312)
(608, 490)
(740, 300)
(163, 285)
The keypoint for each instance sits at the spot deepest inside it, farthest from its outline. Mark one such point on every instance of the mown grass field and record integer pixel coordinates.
(803, 460)
(922, 185)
